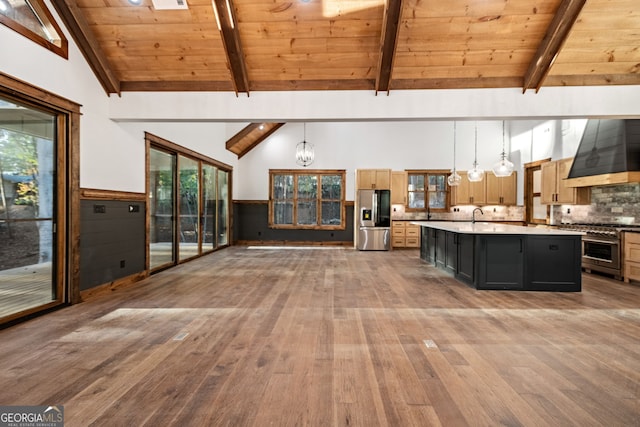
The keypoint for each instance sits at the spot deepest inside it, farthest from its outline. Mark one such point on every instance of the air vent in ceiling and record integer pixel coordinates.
(170, 4)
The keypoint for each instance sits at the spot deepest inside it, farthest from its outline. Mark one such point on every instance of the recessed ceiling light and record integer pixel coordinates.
(135, 2)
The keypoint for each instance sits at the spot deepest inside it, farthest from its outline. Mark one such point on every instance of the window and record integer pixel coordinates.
(428, 189)
(309, 199)
(32, 19)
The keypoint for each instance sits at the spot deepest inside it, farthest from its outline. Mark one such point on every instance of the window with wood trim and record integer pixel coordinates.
(427, 190)
(32, 19)
(307, 199)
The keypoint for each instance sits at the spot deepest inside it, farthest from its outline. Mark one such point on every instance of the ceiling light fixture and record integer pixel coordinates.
(454, 178)
(476, 174)
(304, 151)
(503, 167)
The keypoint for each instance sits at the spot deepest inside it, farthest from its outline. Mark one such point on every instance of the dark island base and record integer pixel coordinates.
(506, 262)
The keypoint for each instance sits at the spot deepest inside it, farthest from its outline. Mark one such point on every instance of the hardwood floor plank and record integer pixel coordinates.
(330, 337)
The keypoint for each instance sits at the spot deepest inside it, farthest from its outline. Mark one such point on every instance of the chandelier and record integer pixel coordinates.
(304, 150)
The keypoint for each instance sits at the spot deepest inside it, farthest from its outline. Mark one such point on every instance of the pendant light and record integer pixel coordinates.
(503, 167)
(454, 178)
(476, 174)
(304, 151)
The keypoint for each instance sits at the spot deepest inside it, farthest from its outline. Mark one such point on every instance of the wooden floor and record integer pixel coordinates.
(321, 337)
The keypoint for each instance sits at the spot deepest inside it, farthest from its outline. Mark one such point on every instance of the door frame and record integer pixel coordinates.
(66, 277)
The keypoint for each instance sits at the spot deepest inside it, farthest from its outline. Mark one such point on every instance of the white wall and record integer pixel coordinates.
(351, 129)
(361, 145)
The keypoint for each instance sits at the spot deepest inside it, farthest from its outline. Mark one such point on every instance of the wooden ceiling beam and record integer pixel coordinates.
(228, 26)
(88, 44)
(388, 42)
(250, 136)
(548, 50)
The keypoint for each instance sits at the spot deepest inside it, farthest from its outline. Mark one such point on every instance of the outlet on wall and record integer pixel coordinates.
(616, 209)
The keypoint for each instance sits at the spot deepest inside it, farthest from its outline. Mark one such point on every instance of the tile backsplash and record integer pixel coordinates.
(611, 204)
(464, 213)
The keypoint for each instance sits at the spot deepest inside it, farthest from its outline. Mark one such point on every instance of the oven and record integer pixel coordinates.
(601, 248)
(602, 255)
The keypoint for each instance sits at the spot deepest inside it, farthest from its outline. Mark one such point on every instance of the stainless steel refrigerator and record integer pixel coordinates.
(373, 220)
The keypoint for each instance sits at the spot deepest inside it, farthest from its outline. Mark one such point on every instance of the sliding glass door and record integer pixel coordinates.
(189, 196)
(188, 205)
(162, 167)
(209, 175)
(28, 199)
(223, 208)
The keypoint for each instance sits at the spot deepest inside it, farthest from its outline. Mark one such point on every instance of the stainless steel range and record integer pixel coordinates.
(601, 247)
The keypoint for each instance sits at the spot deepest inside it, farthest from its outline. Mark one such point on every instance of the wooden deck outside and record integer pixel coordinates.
(24, 288)
(318, 337)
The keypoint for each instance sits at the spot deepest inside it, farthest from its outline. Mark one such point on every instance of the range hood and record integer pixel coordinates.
(608, 153)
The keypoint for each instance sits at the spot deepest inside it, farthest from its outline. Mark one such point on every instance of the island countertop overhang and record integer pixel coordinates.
(494, 228)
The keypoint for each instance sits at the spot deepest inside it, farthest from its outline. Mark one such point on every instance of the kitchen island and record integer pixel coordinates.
(500, 256)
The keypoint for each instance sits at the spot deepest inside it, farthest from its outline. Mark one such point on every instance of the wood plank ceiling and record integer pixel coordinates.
(267, 45)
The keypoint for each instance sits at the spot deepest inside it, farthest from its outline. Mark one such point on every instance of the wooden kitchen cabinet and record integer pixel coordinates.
(469, 193)
(405, 235)
(631, 256)
(373, 179)
(554, 189)
(397, 234)
(501, 190)
(398, 188)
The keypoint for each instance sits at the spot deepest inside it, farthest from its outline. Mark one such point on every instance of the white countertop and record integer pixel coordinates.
(494, 228)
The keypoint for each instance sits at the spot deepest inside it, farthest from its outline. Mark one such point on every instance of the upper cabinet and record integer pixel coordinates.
(490, 191)
(373, 179)
(398, 188)
(501, 190)
(554, 190)
(469, 193)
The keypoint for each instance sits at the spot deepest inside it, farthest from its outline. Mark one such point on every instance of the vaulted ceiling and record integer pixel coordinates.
(267, 45)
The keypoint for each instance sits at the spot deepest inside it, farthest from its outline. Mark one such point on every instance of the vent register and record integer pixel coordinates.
(170, 4)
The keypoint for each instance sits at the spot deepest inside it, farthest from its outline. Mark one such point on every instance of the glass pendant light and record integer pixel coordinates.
(304, 151)
(454, 178)
(476, 174)
(503, 167)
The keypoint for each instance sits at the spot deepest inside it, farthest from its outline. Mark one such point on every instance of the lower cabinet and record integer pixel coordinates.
(405, 235)
(466, 262)
(547, 262)
(500, 262)
(506, 262)
(631, 256)
(428, 244)
(440, 255)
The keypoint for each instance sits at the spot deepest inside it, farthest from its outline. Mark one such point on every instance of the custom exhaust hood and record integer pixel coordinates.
(608, 153)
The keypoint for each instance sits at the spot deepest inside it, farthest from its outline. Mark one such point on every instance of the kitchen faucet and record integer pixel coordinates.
(473, 214)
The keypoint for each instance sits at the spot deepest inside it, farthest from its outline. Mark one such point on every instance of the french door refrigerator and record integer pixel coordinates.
(374, 220)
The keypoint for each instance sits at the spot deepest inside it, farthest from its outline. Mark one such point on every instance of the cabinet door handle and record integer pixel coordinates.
(520, 245)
